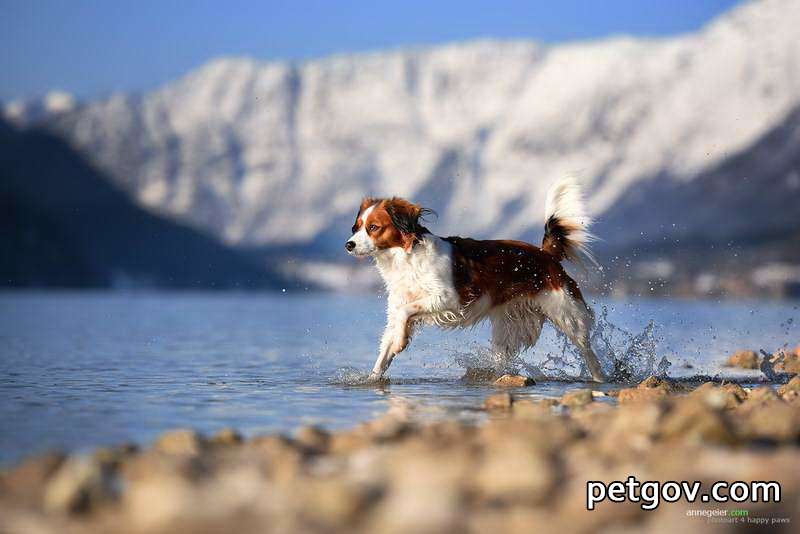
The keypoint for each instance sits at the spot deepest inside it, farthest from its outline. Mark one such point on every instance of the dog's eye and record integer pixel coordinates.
(372, 227)
(355, 228)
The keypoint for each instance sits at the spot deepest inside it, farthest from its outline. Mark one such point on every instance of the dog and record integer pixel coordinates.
(456, 282)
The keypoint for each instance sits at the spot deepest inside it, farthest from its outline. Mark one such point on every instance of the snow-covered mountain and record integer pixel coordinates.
(273, 153)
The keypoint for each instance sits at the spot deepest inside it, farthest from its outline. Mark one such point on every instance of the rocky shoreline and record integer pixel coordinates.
(523, 469)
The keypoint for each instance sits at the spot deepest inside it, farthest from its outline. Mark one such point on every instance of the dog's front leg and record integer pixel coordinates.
(384, 353)
(396, 336)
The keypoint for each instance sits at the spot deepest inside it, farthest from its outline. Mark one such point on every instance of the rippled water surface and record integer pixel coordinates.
(84, 369)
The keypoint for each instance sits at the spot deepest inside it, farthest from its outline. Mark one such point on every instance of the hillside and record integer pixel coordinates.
(65, 225)
(274, 156)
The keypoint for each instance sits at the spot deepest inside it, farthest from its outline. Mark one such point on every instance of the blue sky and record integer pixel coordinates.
(94, 47)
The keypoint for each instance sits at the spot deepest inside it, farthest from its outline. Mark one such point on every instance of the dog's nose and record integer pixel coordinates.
(350, 245)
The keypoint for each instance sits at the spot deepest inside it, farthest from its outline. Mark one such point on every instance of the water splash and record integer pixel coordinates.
(624, 356)
(349, 376)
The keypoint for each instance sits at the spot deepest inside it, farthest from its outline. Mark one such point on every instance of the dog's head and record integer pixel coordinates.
(385, 223)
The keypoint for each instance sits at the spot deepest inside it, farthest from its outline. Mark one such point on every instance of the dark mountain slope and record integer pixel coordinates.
(64, 225)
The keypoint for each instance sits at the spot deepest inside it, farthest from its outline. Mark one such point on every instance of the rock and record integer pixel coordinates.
(577, 398)
(695, 421)
(517, 472)
(792, 398)
(226, 438)
(787, 362)
(114, 456)
(498, 401)
(480, 375)
(528, 409)
(282, 457)
(652, 388)
(792, 385)
(718, 397)
(641, 395)
(313, 438)
(745, 359)
(774, 422)
(181, 441)
(27, 481)
(79, 484)
(549, 433)
(592, 417)
(154, 502)
(632, 426)
(657, 382)
(514, 381)
(736, 390)
(761, 395)
(387, 428)
(348, 442)
(332, 501)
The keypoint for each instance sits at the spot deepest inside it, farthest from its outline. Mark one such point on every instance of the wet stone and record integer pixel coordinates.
(182, 441)
(480, 375)
(498, 402)
(80, 484)
(744, 359)
(792, 385)
(641, 395)
(313, 438)
(693, 420)
(760, 395)
(528, 409)
(661, 383)
(776, 422)
(788, 362)
(514, 381)
(719, 397)
(226, 437)
(27, 481)
(577, 398)
(386, 428)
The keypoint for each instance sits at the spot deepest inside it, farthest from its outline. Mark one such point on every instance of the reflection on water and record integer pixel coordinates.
(83, 369)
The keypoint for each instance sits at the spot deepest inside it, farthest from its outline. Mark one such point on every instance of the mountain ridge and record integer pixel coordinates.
(65, 225)
(278, 154)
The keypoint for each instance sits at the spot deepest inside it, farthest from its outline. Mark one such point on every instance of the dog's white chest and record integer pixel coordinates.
(424, 273)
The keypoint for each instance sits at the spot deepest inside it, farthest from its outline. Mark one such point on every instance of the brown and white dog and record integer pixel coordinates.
(456, 281)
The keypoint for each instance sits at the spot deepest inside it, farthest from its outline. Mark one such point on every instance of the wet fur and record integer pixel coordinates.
(458, 282)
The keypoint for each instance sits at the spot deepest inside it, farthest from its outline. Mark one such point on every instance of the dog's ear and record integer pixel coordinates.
(405, 217)
(367, 202)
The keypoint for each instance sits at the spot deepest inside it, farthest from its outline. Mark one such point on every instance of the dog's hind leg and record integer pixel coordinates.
(505, 346)
(575, 319)
(515, 327)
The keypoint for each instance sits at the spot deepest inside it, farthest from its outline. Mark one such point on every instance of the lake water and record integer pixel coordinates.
(79, 369)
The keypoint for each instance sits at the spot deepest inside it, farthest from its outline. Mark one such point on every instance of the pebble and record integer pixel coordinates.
(180, 441)
(745, 359)
(577, 398)
(499, 401)
(523, 469)
(80, 483)
(514, 381)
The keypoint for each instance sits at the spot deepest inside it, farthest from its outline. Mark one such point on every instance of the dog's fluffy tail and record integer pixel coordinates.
(566, 227)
